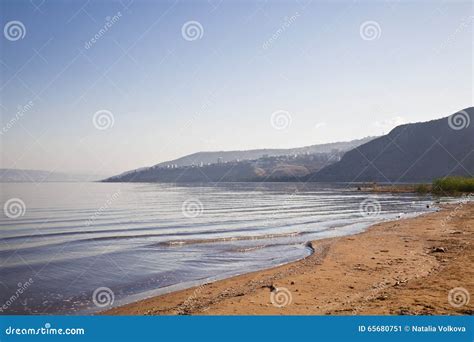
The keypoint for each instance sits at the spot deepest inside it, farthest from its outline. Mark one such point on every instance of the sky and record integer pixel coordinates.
(108, 86)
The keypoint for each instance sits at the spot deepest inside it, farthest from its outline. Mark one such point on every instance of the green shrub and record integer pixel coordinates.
(452, 185)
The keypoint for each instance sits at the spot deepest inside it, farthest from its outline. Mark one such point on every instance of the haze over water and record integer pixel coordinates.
(145, 239)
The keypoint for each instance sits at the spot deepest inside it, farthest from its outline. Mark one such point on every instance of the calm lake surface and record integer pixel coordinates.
(142, 239)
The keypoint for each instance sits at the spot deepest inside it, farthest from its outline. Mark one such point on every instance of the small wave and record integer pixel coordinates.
(307, 245)
(227, 239)
(247, 249)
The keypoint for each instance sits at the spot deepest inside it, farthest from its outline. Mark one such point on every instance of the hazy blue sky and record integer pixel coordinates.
(340, 70)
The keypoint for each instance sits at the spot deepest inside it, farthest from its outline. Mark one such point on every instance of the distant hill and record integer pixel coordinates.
(239, 166)
(279, 168)
(228, 156)
(417, 152)
(41, 176)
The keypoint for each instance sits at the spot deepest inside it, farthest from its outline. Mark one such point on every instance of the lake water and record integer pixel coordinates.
(74, 240)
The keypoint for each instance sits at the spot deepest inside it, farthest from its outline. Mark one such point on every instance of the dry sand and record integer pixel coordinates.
(407, 266)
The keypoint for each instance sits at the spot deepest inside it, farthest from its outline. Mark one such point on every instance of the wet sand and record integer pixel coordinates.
(408, 266)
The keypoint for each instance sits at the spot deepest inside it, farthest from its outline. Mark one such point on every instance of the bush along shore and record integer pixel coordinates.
(447, 186)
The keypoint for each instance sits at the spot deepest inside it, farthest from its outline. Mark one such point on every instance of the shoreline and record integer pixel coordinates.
(406, 266)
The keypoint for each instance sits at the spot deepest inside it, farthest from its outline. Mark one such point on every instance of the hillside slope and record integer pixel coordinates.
(417, 152)
(228, 156)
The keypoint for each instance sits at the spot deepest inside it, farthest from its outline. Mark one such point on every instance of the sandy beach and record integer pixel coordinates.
(415, 266)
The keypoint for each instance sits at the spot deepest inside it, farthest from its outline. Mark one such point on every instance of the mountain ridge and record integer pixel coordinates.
(414, 152)
(213, 157)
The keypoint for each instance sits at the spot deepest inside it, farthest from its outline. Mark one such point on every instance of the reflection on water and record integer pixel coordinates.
(144, 239)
